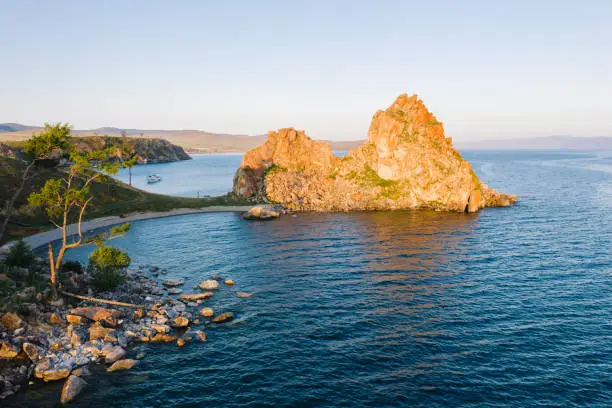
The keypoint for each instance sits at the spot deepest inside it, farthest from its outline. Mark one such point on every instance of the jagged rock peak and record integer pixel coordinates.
(405, 163)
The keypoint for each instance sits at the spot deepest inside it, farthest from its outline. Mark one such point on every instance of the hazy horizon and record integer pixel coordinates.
(487, 71)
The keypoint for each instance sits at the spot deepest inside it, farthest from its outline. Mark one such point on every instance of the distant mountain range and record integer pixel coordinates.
(207, 142)
(192, 140)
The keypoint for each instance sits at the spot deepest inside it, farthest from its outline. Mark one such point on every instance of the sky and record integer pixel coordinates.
(487, 69)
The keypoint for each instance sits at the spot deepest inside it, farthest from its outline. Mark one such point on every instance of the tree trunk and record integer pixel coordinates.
(11, 204)
(53, 274)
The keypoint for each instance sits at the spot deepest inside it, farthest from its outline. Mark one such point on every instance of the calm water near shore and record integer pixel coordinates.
(508, 307)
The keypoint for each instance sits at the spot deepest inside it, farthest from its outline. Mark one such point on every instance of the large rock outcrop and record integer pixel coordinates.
(405, 163)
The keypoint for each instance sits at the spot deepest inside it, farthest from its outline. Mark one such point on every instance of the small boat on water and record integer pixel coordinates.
(153, 178)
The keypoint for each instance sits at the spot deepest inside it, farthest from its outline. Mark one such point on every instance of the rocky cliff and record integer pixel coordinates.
(405, 163)
(148, 150)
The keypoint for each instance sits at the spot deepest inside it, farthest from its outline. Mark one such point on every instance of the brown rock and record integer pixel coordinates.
(223, 317)
(259, 213)
(180, 342)
(31, 351)
(72, 388)
(55, 319)
(74, 320)
(180, 321)
(42, 366)
(125, 364)
(138, 313)
(192, 297)
(201, 335)
(97, 331)
(210, 284)
(55, 374)
(8, 350)
(207, 312)
(75, 339)
(229, 282)
(116, 353)
(97, 314)
(405, 163)
(160, 328)
(11, 321)
(243, 295)
(162, 338)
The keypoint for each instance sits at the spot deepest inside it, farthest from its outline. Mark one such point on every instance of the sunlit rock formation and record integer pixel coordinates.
(405, 163)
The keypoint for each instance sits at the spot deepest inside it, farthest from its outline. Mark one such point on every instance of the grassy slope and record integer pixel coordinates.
(112, 197)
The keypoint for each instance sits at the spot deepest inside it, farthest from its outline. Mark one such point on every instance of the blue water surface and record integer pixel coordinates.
(510, 307)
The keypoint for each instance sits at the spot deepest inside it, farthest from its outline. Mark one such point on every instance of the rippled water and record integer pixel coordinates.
(508, 307)
(205, 174)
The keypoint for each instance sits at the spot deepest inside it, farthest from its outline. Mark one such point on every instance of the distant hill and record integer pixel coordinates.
(541, 143)
(14, 127)
(193, 141)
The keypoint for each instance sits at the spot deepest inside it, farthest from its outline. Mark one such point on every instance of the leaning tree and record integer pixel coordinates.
(66, 198)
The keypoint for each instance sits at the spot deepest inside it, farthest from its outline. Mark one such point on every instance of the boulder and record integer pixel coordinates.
(125, 364)
(210, 284)
(72, 388)
(97, 314)
(260, 213)
(55, 374)
(201, 335)
(224, 317)
(180, 321)
(7, 350)
(116, 353)
(190, 297)
(207, 312)
(162, 338)
(229, 282)
(97, 331)
(74, 320)
(32, 351)
(174, 291)
(243, 295)
(160, 328)
(11, 321)
(173, 282)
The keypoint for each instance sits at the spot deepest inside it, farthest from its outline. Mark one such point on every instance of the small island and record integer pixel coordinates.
(405, 163)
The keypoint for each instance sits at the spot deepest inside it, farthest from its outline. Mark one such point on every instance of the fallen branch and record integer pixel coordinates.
(109, 302)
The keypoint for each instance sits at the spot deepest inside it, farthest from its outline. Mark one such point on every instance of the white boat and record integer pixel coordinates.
(153, 178)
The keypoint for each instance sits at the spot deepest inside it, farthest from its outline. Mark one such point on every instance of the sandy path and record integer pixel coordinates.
(43, 238)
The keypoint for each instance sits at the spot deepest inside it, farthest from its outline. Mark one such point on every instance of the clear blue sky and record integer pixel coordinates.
(487, 69)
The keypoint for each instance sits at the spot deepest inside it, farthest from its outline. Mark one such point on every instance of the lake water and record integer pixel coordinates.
(205, 174)
(507, 307)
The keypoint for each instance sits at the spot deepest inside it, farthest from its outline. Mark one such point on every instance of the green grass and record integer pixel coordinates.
(111, 197)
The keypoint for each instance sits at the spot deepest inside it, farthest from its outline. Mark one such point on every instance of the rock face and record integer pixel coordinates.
(405, 163)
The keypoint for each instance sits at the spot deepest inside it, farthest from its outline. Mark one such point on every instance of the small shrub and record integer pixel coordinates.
(20, 255)
(107, 267)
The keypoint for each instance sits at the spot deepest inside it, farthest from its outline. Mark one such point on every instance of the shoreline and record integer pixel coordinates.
(38, 240)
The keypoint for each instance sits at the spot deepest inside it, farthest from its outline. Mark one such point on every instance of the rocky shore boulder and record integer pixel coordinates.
(260, 213)
(406, 162)
(72, 388)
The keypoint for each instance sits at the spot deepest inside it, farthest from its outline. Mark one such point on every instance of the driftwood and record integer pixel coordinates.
(109, 302)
